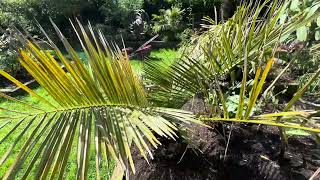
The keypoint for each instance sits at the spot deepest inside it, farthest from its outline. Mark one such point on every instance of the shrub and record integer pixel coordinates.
(198, 4)
(169, 23)
(116, 12)
(306, 59)
(204, 3)
(22, 13)
(8, 56)
(309, 32)
(15, 13)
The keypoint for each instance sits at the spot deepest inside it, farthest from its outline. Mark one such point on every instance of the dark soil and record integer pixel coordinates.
(252, 154)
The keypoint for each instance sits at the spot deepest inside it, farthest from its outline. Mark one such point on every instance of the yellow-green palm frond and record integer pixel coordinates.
(255, 27)
(100, 108)
(302, 120)
(183, 80)
(244, 42)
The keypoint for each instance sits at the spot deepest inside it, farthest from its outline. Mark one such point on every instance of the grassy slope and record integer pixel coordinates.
(166, 56)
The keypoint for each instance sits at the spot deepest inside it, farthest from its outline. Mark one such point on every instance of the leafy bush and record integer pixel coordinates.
(197, 4)
(309, 32)
(9, 62)
(243, 42)
(306, 58)
(314, 87)
(8, 56)
(172, 17)
(116, 13)
(121, 18)
(15, 13)
(169, 23)
(307, 65)
(23, 13)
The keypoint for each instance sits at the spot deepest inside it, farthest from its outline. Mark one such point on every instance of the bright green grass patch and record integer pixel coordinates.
(166, 56)
(30, 99)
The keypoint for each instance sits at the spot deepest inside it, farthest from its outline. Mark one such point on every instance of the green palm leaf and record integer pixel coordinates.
(250, 35)
(100, 105)
(246, 41)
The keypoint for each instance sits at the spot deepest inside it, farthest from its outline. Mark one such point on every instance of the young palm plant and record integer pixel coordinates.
(246, 41)
(100, 108)
(251, 34)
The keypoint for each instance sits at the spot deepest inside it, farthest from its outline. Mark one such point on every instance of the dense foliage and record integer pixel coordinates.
(131, 20)
(169, 22)
(8, 55)
(311, 31)
(117, 13)
(23, 13)
(306, 58)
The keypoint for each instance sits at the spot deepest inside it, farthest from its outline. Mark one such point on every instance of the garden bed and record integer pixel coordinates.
(252, 154)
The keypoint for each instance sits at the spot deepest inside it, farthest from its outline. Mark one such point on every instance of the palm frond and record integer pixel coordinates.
(100, 105)
(252, 34)
(246, 41)
(303, 120)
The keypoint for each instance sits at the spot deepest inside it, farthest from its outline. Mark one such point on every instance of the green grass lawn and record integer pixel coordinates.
(162, 55)
(166, 56)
